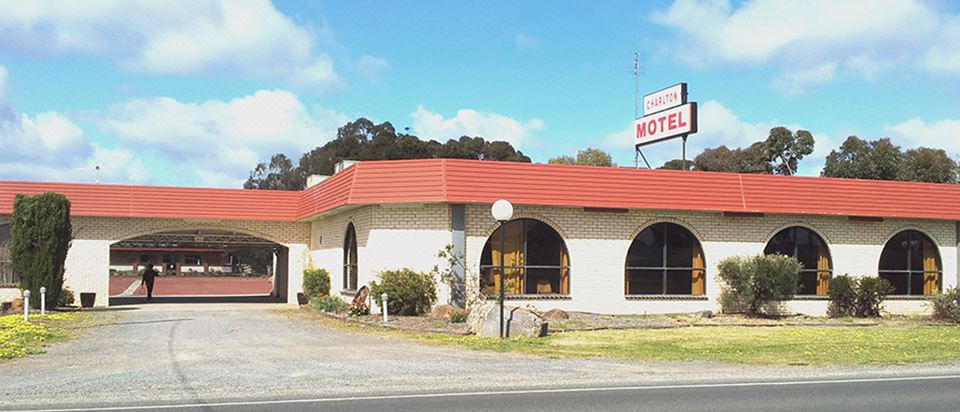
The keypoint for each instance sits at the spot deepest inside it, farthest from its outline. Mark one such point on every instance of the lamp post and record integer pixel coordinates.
(502, 211)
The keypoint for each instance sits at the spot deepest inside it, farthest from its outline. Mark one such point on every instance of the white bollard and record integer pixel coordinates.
(383, 298)
(43, 300)
(26, 305)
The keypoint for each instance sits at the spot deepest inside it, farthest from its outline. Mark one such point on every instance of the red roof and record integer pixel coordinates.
(471, 181)
(161, 202)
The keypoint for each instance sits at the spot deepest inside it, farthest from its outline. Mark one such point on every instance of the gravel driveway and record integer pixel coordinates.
(180, 353)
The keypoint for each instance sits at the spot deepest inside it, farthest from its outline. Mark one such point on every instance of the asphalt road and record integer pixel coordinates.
(929, 393)
(257, 357)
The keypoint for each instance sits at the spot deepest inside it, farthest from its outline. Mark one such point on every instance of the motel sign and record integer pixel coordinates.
(666, 115)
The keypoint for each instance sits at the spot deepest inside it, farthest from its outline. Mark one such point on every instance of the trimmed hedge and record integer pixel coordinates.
(316, 283)
(41, 233)
(408, 292)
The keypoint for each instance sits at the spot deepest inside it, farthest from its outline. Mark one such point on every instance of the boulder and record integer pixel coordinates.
(447, 312)
(555, 315)
(517, 322)
(16, 305)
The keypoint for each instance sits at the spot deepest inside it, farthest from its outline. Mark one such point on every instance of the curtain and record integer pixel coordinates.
(699, 275)
(512, 257)
(564, 272)
(931, 275)
(823, 270)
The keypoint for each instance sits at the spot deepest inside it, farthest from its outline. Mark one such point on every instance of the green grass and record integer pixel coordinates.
(784, 345)
(769, 345)
(19, 338)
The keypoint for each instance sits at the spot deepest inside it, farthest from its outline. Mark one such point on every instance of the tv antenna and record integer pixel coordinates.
(638, 154)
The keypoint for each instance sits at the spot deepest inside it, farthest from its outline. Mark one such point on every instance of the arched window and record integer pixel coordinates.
(809, 248)
(534, 257)
(350, 259)
(911, 262)
(665, 259)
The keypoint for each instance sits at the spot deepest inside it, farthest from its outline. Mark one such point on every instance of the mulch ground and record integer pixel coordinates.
(423, 324)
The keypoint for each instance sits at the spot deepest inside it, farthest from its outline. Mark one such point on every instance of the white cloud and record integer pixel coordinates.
(810, 40)
(49, 146)
(175, 37)
(371, 67)
(467, 122)
(915, 132)
(163, 140)
(218, 142)
(717, 126)
(523, 41)
(794, 83)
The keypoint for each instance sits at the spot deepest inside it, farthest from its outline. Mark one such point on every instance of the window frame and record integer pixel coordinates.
(350, 255)
(524, 269)
(909, 272)
(665, 268)
(796, 253)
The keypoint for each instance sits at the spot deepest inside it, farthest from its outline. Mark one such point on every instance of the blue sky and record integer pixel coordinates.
(196, 92)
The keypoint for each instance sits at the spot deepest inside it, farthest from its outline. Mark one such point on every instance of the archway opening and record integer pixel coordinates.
(199, 263)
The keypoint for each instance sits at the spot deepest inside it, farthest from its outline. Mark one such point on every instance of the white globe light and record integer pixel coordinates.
(502, 210)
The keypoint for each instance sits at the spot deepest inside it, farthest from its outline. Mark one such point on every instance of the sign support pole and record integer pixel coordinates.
(640, 152)
(684, 150)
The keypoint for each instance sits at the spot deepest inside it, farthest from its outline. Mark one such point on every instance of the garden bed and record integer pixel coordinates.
(421, 324)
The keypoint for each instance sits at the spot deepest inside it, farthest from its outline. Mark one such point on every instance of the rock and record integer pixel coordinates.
(17, 305)
(485, 322)
(447, 312)
(555, 315)
(477, 313)
(703, 314)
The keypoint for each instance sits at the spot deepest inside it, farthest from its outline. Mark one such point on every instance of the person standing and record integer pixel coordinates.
(148, 277)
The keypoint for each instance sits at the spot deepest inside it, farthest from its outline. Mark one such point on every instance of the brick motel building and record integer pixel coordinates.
(607, 240)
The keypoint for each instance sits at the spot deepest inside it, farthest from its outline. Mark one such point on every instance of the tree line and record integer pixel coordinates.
(363, 140)
(856, 158)
(780, 153)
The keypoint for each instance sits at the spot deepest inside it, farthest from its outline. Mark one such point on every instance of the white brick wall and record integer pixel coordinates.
(87, 269)
(598, 244)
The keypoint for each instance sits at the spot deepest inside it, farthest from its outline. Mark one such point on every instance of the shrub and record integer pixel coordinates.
(329, 304)
(316, 283)
(408, 292)
(871, 291)
(40, 236)
(758, 281)
(860, 297)
(843, 296)
(946, 306)
(67, 298)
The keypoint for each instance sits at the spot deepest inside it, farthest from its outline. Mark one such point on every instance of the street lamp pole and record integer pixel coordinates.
(503, 242)
(502, 211)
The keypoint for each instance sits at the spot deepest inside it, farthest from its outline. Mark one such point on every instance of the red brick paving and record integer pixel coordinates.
(196, 285)
(119, 284)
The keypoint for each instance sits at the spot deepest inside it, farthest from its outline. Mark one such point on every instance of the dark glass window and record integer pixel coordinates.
(911, 263)
(665, 259)
(350, 258)
(809, 248)
(534, 258)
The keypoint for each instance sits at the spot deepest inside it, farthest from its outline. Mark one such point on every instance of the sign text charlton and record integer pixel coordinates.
(666, 124)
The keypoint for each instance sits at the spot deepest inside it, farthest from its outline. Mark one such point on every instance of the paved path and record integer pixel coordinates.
(193, 286)
(194, 353)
